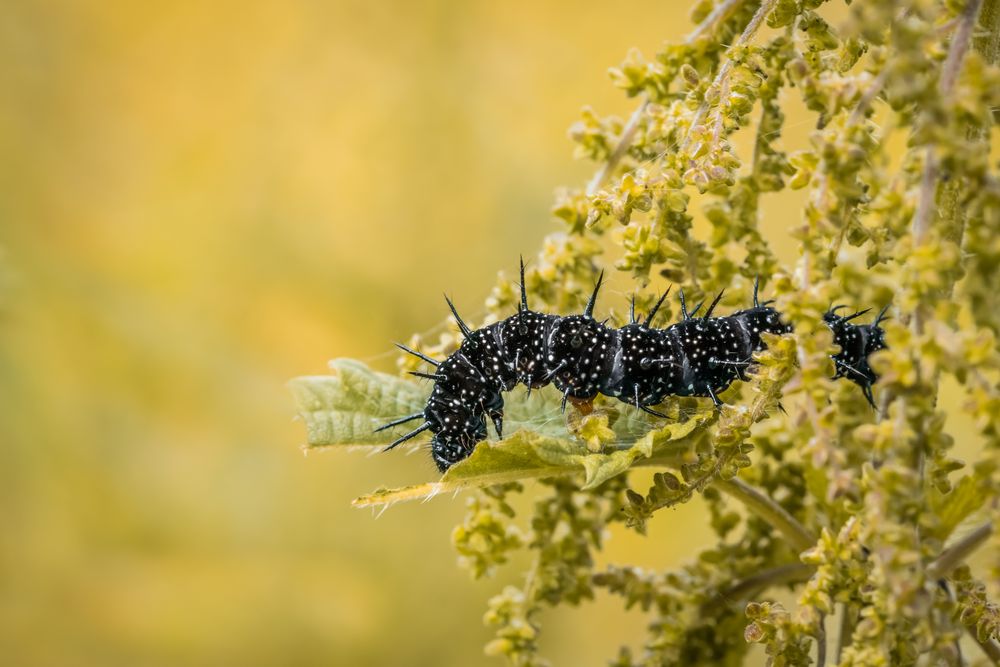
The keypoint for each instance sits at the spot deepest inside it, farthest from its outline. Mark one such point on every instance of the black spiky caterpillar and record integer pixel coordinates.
(637, 364)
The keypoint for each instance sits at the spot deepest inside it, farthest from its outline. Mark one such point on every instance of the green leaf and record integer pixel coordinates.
(345, 407)
(962, 502)
(529, 455)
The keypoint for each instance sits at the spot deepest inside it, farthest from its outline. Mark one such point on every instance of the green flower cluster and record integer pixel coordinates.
(855, 509)
(862, 516)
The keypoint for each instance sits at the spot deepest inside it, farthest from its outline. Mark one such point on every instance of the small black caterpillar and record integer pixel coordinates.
(637, 364)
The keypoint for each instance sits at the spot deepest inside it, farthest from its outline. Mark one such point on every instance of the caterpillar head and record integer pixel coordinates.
(762, 319)
(456, 437)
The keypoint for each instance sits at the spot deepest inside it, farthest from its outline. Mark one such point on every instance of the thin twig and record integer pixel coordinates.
(926, 200)
(624, 143)
(715, 17)
(878, 83)
(925, 204)
(846, 630)
(960, 43)
(721, 12)
(957, 642)
(989, 647)
(745, 589)
(758, 18)
(821, 642)
(797, 535)
(956, 554)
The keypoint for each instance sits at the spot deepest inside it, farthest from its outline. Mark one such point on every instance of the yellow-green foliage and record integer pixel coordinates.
(860, 511)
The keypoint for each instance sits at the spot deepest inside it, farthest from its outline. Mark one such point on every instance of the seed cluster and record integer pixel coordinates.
(637, 364)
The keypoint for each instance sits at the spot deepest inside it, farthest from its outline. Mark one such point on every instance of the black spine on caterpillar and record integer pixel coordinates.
(638, 364)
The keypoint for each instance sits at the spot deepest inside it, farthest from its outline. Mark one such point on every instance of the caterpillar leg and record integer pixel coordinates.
(756, 301)
(496, 416)
(646, 409)
(867, 390)
(715, 399)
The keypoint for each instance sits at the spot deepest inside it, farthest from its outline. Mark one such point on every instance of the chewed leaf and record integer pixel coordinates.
(344, 408)
(387, 497)
(671, 445)
(529, 455)
(524, 455)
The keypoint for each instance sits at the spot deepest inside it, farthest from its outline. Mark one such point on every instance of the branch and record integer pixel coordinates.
(766, 508)
(954, 556)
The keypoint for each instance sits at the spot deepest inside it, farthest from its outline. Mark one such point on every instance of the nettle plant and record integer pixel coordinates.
(859, 516)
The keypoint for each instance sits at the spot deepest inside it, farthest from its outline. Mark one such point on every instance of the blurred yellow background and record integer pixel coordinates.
(201, 200)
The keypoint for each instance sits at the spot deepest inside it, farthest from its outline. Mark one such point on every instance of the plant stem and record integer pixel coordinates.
(766, 508)
(847, 621)
(747, 588)
(624, 143)
(928, 194)
(989, 647)
(765, 8)
(960, 43)
(987, 42)
(956, 554)
(717, 15)
(821, 642)
(721, 12)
